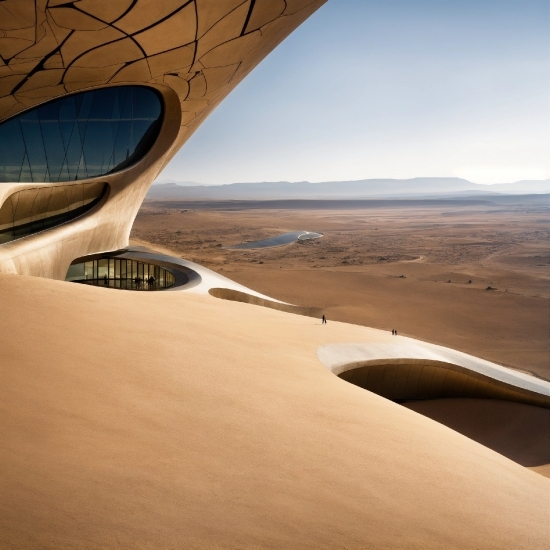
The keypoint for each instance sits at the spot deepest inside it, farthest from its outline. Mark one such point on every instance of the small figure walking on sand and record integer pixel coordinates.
(392, 332)
(324, 320)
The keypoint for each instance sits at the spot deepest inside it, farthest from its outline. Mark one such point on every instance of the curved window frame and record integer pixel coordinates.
(35, 209)
(79, 136)
(121, 273)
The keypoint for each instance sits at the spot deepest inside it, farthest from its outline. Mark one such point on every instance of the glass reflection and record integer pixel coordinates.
(32, 210)
(121, 273)
(80, 136)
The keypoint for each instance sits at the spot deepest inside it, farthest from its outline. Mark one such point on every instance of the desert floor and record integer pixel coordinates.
(175, 420)
(423, 270)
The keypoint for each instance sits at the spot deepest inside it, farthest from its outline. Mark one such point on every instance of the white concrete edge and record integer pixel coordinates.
(208, 279)
(336, 356)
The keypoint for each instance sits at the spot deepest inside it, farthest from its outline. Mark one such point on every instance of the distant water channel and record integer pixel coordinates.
(279, 240)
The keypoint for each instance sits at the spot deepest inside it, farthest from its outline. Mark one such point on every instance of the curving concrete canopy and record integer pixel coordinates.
(196, 279)
(194, 52)
(403, 369)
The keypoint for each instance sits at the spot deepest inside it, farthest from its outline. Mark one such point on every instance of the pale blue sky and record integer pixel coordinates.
(388, 89)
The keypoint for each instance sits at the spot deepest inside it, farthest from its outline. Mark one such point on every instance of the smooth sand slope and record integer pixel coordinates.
(158, 420)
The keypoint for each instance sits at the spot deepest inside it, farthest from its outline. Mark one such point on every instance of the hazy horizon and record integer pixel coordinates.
(392, 89)
(194, 183)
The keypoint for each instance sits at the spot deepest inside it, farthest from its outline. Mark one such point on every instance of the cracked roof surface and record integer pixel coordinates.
(199, 48)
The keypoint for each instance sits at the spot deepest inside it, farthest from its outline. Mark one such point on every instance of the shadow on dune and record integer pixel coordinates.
(517, 431)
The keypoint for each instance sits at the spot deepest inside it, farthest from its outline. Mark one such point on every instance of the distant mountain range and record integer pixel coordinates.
(361, 189)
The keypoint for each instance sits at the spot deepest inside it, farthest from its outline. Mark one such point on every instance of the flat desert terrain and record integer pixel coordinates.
(468, 274)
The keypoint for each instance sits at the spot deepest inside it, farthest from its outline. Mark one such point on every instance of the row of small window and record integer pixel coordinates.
(121, 273)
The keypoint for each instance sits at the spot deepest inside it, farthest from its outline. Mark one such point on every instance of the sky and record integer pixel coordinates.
(388, 89)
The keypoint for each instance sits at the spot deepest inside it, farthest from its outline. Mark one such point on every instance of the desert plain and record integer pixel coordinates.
(470, 274)
(179, 420)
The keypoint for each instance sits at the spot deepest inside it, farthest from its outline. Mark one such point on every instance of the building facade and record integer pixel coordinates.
(96, 96)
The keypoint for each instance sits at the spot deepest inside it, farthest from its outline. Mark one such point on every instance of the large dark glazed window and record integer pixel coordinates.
(80, 136)
(32, 210)
(121, 273)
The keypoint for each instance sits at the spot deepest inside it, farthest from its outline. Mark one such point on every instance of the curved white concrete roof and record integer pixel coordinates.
(201, 278)
(339, 358)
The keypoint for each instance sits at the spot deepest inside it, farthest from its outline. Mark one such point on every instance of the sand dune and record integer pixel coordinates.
(149, 420)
